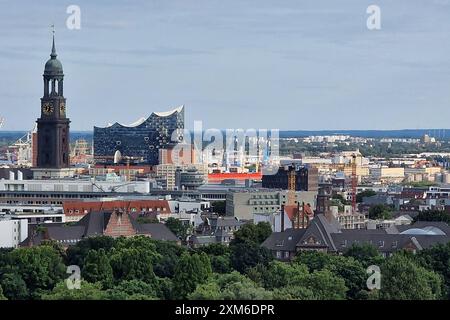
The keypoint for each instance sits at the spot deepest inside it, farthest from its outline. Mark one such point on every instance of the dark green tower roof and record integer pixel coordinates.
(53, 66)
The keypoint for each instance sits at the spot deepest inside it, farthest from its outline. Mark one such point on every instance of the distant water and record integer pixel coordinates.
(15, 135)
(404, 133)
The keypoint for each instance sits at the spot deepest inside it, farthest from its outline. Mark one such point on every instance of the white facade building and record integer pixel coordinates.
(167, 171)
(75, 185)
(12, 232)
(185, 205)
(274, 219)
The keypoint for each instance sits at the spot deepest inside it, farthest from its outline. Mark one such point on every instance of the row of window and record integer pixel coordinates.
(46, 195)
(263, 202)
(69, 241)
(229, 228)
(265, 196)
(266, 208)
(213, 196)
(30, 202)
(282, 254)
(158, 209)
(380, 243)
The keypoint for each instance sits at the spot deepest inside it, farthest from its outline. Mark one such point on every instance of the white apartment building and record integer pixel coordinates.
(245, 204)
(12, 232)
(186, 205)
(349, 219)
(385, 173)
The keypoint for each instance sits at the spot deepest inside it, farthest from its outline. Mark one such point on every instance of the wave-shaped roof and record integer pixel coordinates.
(168, 113)
(142, 119)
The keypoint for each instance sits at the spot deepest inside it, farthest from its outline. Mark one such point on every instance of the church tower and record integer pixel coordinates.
(53, 124)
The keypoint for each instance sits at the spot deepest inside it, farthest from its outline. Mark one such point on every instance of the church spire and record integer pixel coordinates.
(53, 54)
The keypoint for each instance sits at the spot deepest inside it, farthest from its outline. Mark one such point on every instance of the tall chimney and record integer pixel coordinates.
(304, 216)
(11, 175)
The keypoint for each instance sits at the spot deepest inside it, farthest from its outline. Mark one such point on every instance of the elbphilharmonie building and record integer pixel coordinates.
(141, 141)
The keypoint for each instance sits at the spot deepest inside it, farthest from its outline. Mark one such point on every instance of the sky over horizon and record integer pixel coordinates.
(286, 64)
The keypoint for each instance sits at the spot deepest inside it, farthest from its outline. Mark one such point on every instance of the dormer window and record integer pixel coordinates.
(279, 243)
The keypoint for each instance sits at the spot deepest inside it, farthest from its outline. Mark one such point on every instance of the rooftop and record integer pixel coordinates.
(142, 120)
(328, 233)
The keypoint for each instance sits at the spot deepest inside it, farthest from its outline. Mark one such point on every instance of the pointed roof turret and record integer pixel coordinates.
(53, 66)
(53, 55)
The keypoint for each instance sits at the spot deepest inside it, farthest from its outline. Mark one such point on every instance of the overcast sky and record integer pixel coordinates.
(294, 64)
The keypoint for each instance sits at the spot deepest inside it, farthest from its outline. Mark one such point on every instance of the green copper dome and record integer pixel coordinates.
(53, 66)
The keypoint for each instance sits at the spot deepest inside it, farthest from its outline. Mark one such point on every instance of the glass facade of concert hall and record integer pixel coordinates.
(139, 142)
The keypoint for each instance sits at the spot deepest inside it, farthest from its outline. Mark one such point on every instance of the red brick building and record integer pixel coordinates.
(113, 224)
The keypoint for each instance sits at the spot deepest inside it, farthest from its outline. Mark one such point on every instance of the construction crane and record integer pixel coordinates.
(290, 196)
(114, 188)
(9, 157)
(354, 182)
(300, 216)
(80, 152)
(291, 185)
(127, 172)
(23, 149)
(94, 184)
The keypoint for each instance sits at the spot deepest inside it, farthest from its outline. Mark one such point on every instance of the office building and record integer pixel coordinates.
(244, 204)
(193, 175)
(306, 178)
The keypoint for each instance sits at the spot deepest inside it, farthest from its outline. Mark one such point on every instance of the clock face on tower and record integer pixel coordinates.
(62, 108)
(47, 108)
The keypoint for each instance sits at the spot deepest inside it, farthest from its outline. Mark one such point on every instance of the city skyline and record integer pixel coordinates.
(230, 154)
(316, 67)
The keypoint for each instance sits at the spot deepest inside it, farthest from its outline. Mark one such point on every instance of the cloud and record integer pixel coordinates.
(228, 59)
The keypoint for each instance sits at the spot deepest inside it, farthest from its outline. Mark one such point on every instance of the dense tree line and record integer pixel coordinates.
(380, 211)
(433, 215)
(374, 148)
(140, 268)
(366, 193)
